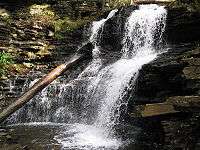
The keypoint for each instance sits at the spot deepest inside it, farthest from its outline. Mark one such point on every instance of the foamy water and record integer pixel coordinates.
(85, 137)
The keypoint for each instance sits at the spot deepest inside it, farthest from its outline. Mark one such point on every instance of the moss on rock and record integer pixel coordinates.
(5, 61)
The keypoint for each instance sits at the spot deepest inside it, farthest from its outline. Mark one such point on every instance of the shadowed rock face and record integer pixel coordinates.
(182, 26)
(171, 74)
(175, 73)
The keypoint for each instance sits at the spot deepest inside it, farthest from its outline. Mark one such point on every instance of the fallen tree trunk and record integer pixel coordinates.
(39, 85)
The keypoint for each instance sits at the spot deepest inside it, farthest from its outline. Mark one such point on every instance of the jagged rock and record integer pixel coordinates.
(173, 105)
(182, 132)
(112, 33)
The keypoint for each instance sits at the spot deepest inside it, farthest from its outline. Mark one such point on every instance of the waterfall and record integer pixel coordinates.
(91, 105)
(138, 49)
(96, 30)
(143, 29)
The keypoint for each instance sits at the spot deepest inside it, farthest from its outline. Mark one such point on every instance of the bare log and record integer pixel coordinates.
(39, 85)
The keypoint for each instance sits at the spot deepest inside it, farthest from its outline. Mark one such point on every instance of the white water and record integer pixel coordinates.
(141, 29)
(86, 137)
(96, 30)
(101, 98)
(138, 49)
(112, 82)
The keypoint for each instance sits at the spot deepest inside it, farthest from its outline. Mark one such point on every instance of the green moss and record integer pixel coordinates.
(68, 25)
(5, 60)
(117, 3)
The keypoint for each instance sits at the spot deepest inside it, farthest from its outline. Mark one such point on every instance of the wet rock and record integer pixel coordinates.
(171, 74)
(112, 33)
(3, 134)
(2, 130)
(182, 25)
(172, 105)
(181, 132)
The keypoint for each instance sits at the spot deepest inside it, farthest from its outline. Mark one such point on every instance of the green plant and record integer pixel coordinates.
(68, 25)
(5, 60)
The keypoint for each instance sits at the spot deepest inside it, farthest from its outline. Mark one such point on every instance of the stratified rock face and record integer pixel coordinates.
(172, 74)
(27, 33)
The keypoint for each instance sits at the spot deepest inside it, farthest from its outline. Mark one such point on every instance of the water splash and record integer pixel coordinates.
(138, 49)
(143, 29)
(86, 137)
(96, 31)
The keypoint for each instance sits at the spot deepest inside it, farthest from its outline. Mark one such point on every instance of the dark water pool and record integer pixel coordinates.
(53, 136)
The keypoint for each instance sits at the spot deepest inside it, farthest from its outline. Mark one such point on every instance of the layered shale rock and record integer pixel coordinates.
(171, 74)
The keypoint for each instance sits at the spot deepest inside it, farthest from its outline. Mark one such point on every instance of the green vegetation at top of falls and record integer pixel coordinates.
(66, 24)
(117, 3)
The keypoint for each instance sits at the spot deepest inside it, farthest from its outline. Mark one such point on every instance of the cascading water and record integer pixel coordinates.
(96, 31)
(138, 49)
(91, 105)
(59, 102)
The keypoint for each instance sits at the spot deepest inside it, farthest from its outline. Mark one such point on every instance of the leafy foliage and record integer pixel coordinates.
(5, 60)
